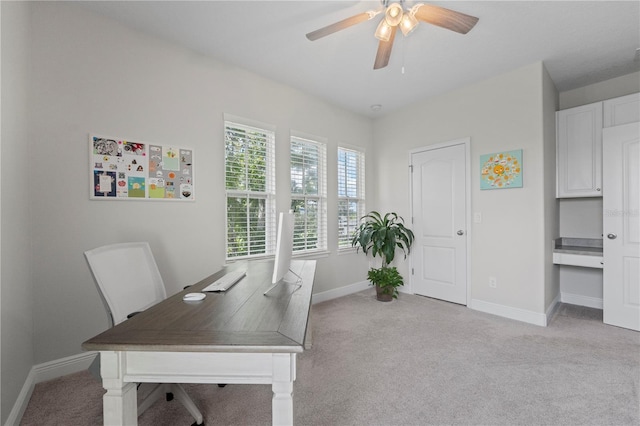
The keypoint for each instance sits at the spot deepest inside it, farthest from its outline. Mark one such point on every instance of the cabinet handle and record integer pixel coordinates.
(597, 189)
(612, 236)
(460, 232)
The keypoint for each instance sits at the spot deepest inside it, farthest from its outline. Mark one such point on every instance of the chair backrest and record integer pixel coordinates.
(127, 277)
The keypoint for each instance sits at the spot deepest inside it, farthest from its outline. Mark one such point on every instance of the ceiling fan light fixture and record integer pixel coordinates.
(408, 23)
(383, 32)
(393, 14)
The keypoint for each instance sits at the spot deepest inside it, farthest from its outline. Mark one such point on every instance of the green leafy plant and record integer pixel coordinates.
(387, 278)
(383, 235)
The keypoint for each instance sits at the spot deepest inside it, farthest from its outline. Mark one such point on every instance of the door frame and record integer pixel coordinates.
(466, 142)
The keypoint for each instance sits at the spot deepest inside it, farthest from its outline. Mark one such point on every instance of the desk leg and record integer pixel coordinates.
(308, 341)
(119, 404)
(284, 374)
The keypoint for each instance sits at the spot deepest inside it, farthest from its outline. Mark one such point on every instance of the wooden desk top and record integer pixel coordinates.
(241, 319)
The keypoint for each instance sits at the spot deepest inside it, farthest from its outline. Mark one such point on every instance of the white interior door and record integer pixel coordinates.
(439, 213)
(621, 225)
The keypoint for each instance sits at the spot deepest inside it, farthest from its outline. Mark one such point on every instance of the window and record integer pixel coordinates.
(308, 194)
(250, 189)
(350, 194)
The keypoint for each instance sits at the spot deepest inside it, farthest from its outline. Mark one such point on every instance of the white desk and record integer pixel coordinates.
(237, 337)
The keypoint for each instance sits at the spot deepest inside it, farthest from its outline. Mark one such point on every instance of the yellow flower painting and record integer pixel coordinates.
(501, 170)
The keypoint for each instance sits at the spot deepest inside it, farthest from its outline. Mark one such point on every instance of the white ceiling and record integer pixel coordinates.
(580, 43)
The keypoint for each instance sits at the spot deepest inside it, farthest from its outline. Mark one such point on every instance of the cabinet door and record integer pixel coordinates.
(579, 151)
(622, 110)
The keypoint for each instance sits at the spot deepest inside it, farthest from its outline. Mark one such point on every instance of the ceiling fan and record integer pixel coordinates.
(395, 15)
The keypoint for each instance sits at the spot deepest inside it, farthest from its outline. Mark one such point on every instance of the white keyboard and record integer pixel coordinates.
(225, 282)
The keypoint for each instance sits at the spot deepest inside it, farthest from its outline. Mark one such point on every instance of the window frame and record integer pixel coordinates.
(320, 198)
(268, 194)
(344, 242)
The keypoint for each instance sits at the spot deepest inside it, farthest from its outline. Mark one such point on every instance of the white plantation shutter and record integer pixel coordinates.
(351, 194)
(250, 189)
(309, 194)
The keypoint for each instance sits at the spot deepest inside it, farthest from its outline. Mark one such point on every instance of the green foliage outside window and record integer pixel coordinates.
(307, 159)
(246, 185)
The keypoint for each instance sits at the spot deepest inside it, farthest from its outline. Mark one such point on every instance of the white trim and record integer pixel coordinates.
(553, 308)
(466, 142)
(61, 367)
(339, 292)
(580, 300)
(20, 406)
(43, 372)
(467, 154)
(460, 141)
(509, 312)
(348, 146)
(308, 136)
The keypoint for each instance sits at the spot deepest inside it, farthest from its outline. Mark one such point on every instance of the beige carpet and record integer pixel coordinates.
(414, 361)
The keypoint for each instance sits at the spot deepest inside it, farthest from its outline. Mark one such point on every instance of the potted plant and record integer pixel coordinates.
(382, 235)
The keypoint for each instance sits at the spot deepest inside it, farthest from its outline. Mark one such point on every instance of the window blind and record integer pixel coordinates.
(250, 188)
(308, 194)
(351, 193)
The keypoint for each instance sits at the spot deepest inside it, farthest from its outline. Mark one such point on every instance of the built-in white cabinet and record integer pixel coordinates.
(622, 110)
(579, 151)
(579, 143)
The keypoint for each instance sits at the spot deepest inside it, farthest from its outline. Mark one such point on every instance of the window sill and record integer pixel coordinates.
(318, 254)
(311, 254)
(347, 250)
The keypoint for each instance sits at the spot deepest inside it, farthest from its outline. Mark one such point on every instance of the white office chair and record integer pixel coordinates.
(129, 282)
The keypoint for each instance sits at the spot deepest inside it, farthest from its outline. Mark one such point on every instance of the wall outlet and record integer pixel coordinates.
(493, 282)
(477, 217)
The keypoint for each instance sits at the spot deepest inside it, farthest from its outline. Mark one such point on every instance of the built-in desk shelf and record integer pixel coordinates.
(586, 252)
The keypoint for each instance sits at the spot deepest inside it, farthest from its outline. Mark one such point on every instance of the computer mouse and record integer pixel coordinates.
(193, 297)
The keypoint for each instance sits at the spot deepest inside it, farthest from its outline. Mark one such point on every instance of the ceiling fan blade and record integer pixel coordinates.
(446, 18)
(384, 50)
(341, 25)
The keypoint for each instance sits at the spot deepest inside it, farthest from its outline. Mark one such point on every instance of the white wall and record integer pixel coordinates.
(581, 217)
(91, 74)
(502, 113)
(16, 289)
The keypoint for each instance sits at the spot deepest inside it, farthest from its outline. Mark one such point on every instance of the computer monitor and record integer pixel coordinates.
(284, 246)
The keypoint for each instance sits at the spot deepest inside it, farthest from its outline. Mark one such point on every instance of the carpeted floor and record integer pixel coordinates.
(414, 361)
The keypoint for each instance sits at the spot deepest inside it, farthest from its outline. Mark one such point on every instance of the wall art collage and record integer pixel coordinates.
(127, 170)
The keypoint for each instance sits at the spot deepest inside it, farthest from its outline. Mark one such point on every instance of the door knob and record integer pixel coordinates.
(460, 232)
(612, 236)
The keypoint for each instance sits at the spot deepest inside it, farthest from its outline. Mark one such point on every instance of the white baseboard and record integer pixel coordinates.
(509, 312)
(553, 308)
(339, 292)
(578, 299)
(43, 372)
